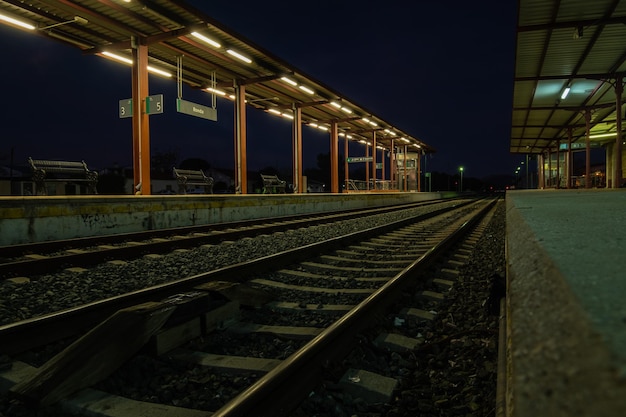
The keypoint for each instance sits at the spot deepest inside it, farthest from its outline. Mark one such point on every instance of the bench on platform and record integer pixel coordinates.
(273, 185)
(44, 171)
(191, 177)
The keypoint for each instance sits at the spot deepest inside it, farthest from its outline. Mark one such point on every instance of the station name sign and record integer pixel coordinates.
(352, 159)
(198, 110)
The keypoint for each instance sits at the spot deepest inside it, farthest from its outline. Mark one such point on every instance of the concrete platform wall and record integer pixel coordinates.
(566, 314)
(36, 219)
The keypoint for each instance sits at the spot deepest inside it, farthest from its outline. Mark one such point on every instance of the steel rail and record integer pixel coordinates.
(300, 373)
(29, 334)
(270, 225)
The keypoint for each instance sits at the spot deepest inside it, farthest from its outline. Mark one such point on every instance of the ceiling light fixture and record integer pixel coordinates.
(239, 56)
(603, 135)
(205, 39)
(17, 22)
(215, 91)
(128, 61)
(566, 91)
(289, 81)
(306, 89)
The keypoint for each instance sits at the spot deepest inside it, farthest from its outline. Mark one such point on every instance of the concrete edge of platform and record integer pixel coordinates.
(557, 363)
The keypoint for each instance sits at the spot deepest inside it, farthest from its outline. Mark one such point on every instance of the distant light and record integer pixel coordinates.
(239, 56)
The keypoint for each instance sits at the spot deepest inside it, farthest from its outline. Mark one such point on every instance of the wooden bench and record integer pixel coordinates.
(187, 177)
(271, 184)
(62, 171)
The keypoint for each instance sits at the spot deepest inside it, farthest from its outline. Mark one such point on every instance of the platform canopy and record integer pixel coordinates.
(578, 46)
(213, 57)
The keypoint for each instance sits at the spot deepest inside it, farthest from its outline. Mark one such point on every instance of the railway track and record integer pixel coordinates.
(44, 257)
(309, 303)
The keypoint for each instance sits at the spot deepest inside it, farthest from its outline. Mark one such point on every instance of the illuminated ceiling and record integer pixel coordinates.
(213, 57)
(566, 43)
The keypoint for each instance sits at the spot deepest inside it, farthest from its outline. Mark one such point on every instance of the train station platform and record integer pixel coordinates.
(566, 306)
(38, 219)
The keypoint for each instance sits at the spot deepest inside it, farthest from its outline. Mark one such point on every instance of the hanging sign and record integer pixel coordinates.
(198, 110)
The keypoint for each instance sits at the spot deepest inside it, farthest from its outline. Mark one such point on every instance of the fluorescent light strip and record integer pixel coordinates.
(205, 39)
(603, 135)
(287, 115)
(289, 81)
(306, 89)
(565, 92)
(335, 104)
(118, 58)
(239, 56)
(130, 62)
(324, 128)
(159, 71)
(274, 111)
(346, 110)
(17, 22)
(216, 91)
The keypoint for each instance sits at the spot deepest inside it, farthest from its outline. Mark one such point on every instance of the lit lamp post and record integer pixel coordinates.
(461, 181)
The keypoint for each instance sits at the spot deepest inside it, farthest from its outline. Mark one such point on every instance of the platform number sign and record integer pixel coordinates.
(126, 108)
(154, 105)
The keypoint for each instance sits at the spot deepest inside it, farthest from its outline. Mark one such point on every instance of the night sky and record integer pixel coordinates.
(442, 71)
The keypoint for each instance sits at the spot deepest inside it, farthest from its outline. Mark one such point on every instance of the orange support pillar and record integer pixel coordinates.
(241, 172)
(141, 121)
(334, 158)
(345, 163)
(374, 160)
(367, 167)
(297, 150)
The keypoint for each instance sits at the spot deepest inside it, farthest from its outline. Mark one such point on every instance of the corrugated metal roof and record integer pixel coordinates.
(561, 43)
(166, 26)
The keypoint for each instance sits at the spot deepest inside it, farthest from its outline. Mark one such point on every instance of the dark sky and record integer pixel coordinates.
(441, 71)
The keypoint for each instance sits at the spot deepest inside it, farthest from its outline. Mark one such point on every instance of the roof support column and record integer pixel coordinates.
(141, 121)
(367, 167)
(549, 168)
(541, 181)
(405, 178)
(617, 167)
(241, 173)
(419, 173)
(587, 149)
(393, 173)
(345, 163)
(374, 160)
(297, 150)
(334, 158)
(558, 165)
(569, 158)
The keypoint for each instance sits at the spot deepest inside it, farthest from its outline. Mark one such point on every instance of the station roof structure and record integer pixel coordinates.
(573, 45)
(192, 47)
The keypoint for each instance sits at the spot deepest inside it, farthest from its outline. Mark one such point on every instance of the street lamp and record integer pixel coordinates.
(461, 181)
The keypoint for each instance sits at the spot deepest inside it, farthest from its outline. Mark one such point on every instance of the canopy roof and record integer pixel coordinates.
(578, 44)
(216, 59)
